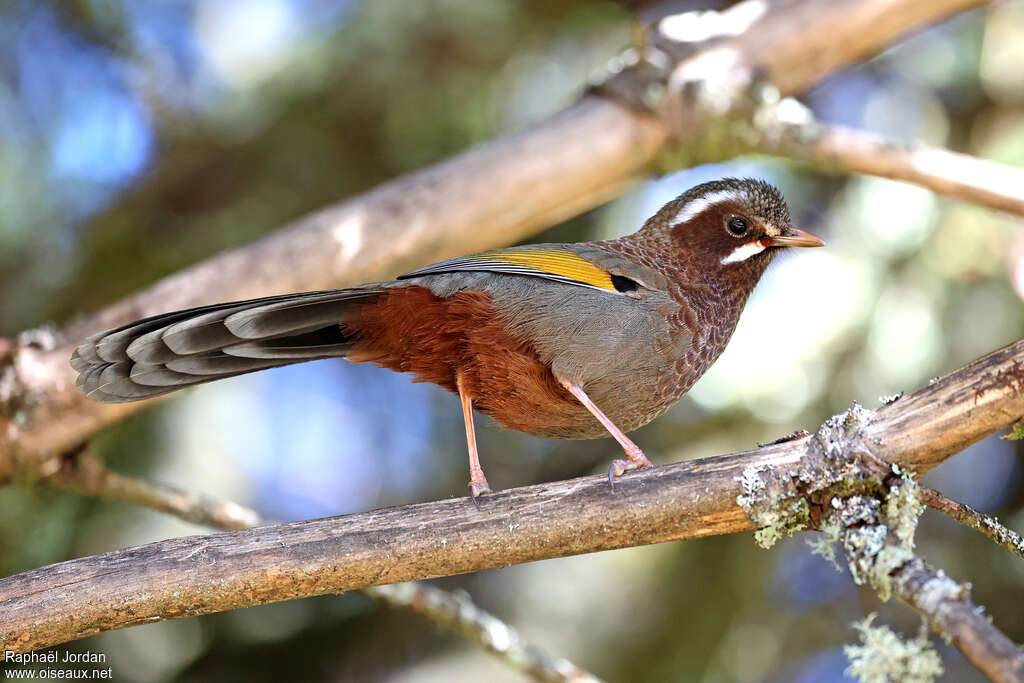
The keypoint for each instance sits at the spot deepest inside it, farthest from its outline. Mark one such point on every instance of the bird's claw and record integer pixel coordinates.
(476, 489)
(620, 467)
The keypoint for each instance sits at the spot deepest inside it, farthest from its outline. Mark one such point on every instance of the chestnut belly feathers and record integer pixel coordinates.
(411, 329)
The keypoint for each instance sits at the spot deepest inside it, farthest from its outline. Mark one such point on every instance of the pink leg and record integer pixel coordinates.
(477, 481)
(636, 458)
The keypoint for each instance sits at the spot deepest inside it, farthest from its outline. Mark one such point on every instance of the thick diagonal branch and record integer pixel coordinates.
(198, 575)
(496, 194)
(82, 472)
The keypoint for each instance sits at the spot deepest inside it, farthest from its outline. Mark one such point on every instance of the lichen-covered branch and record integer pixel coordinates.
(492, 195)
(456, 612)
(949, 610)
(979, 521)
(877, 536)
(846, 487)
(198, 575)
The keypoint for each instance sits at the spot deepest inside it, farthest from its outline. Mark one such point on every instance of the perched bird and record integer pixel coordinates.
(570, 341)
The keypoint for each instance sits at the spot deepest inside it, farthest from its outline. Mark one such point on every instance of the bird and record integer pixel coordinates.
(572, 341)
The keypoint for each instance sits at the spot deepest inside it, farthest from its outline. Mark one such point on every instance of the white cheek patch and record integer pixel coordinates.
(744, 251)
(695, 207)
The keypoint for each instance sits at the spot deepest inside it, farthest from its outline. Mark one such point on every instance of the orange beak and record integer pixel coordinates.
(795, 237)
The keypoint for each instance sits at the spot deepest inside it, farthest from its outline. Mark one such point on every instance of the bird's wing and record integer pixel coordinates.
(549, 261)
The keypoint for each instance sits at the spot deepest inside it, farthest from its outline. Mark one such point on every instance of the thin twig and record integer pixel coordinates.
(199, 575)
(456, 612)
(979, 521)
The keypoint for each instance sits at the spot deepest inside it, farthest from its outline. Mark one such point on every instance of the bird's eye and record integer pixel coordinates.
(737, 226)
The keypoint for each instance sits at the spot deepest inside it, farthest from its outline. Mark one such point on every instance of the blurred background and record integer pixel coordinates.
(137, 138)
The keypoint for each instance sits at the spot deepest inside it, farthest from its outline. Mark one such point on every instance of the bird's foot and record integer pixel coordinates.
(477, 488)
(637, 460)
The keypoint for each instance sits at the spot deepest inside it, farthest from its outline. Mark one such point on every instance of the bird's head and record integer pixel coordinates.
(732, 227)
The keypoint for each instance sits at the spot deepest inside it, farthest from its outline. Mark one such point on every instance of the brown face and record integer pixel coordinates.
(734, 225)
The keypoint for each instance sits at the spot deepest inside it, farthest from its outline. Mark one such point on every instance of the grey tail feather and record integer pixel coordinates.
(170, 351)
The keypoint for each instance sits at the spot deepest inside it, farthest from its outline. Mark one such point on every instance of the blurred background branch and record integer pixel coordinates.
(787, 130)
(456, 612)
(82, 472)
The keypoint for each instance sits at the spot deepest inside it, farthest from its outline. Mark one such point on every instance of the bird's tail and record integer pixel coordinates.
(171, 351)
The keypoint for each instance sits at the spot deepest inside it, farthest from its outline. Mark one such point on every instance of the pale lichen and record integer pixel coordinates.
(838, 436)
(890, 398)
(878, 536)
(872, 507)
(903, 507)
(795, 515)
(779, 500)
(824, 544)
(777, 510)
(939, 590)
(753, 484)
(885, 657)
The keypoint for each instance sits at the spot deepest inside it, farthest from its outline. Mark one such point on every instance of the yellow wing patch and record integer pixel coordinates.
(547, 261)
(560, 262)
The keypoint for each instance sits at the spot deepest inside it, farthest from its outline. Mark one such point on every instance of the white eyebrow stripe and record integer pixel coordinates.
(744, 251)
(699, 205)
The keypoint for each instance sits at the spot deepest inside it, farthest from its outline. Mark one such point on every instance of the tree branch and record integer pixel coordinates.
(878, 539)
(492, 195)
(84, 473)
(198, 575)
(950, 611)
(845, 150)
(979, 521)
